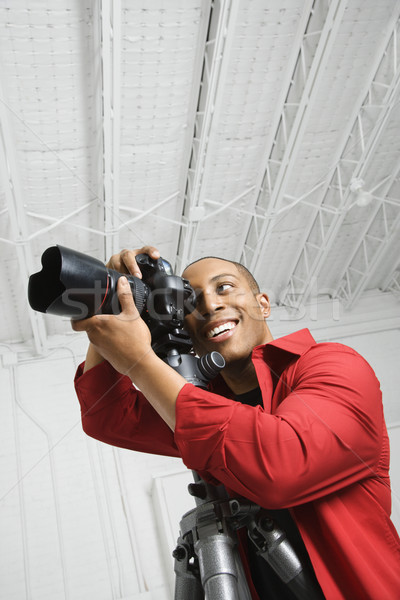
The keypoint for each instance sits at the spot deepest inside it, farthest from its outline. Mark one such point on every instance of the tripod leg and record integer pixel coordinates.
(217, 567)
(187, 577)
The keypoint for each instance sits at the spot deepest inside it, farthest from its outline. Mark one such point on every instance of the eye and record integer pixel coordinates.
(224, 287)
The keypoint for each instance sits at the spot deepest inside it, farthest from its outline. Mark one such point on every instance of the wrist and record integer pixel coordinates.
(93, 358)
(141, 363)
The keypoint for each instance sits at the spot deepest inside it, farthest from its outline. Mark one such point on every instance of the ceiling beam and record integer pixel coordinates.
(392, 282)
(110, 26)
(258, 216)
(216, 57)
(207, 6)
(292, 129)
(362, 264)
(19, 229)
(329, 218)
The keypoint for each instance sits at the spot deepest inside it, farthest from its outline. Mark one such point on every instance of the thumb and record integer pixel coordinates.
(125, 296)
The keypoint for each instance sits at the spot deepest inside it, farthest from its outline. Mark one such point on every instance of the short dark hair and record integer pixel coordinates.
(255, 288)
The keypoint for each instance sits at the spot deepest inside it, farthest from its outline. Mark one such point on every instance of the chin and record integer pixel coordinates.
(236, 359)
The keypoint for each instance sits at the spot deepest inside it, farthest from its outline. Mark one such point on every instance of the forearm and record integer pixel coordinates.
(159, 383)
(93, 358)
(124, 340)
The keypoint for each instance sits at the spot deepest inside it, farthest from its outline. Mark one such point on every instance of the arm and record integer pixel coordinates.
(93, 358)
(325, 434)
(124, 340)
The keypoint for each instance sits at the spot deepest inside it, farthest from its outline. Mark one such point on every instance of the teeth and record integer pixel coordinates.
(220, 329)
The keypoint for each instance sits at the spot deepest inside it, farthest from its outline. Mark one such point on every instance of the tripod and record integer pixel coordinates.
(206, 556)
(207, 562)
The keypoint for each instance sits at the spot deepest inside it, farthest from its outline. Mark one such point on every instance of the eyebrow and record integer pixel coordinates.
(216, 277)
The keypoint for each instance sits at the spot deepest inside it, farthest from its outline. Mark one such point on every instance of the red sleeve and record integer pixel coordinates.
(326, 433)
(113, 411)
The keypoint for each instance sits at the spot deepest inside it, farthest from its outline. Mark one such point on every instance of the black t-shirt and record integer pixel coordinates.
(267, 583)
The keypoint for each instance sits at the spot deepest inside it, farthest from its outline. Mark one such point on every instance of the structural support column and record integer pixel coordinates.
(340, 195)
(291, 130)
(111, 75)
(222, 21)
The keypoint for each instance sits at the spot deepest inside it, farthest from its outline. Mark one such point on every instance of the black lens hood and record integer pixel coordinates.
(69, 284)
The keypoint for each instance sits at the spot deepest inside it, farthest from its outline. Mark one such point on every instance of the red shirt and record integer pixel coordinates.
(318, 446)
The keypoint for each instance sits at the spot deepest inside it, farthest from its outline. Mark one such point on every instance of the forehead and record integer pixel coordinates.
(208, 269)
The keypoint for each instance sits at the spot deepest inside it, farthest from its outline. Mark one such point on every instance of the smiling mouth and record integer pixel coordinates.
(220, 329)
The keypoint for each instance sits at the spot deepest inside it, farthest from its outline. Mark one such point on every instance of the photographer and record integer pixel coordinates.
(294, 426)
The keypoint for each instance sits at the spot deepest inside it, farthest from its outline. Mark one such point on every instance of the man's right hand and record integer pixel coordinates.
(125, 261)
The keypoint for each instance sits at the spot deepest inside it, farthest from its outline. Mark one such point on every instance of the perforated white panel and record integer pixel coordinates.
(230, 128)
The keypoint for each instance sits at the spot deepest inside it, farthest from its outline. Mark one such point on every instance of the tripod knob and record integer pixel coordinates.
(198, 490)
(198, 371)
(210, 364)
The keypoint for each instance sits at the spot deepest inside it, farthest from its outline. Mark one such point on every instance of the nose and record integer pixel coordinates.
(208, 303)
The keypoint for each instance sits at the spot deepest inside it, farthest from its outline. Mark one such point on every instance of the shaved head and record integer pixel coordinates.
(241, 268)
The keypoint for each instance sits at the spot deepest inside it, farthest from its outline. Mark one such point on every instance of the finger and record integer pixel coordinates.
(129, 261)
(150, 250)
(125, 297)
(117, 264)
(129, 258)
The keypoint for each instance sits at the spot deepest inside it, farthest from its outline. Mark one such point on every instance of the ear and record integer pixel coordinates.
(264, 304)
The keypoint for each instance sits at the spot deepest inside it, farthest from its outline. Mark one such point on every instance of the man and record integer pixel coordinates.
(294, 426)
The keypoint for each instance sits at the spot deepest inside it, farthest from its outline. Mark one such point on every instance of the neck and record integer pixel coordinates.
(240, 378)
(240, 375)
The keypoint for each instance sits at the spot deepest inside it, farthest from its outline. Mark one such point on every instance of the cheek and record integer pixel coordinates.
(255, 324)
(256, 312)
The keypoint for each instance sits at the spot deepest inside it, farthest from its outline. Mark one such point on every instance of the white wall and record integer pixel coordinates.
(82, 520)
(77, 517)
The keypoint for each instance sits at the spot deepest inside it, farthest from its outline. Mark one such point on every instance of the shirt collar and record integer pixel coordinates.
(295, 343)
(280, 352)
(277, 354)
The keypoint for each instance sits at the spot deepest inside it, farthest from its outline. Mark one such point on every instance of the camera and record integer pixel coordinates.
(72, 284)
(75, 285)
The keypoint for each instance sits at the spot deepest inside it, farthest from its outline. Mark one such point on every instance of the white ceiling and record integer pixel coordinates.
(262, 131)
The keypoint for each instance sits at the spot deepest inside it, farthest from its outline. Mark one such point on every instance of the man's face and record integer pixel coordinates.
(228, 318)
